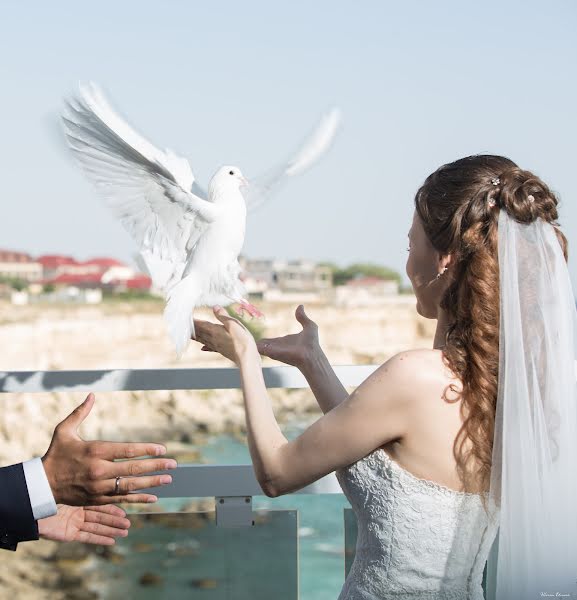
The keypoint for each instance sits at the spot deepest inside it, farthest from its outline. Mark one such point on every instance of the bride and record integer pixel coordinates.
(441, 449)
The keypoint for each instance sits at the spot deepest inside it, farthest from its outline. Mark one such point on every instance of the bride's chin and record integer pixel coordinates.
(424, 313)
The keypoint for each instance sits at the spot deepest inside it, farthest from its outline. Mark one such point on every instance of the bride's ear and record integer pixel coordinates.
(445, 261)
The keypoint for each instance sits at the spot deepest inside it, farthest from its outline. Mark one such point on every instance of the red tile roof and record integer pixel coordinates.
(104, 262)
(72, 279)
(138, 282)
(51, 261)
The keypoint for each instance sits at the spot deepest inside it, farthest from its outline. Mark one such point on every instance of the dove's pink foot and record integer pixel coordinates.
(252, 310)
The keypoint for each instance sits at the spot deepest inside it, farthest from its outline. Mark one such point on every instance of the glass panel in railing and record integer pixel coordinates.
(320, 541)
(186, 555)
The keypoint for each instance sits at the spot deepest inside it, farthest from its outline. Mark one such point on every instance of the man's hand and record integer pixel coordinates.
(84, 472)
(90, 524)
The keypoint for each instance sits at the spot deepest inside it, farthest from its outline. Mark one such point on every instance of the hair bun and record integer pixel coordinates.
(525, 196)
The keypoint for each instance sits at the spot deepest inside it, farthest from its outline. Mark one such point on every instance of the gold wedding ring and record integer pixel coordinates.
(117, 486)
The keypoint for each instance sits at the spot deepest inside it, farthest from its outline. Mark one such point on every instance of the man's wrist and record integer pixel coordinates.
(47, 464)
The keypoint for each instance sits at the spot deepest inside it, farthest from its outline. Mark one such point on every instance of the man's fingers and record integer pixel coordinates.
(105, 530)
(102, 518)
(91, 538)
(75, 418)
(134, 468)
(126, 499)
(109, 509)
(111, 450)
(126, 485)
(133, 484)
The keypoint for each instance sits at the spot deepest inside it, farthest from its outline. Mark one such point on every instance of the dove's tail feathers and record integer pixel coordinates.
(182, 299)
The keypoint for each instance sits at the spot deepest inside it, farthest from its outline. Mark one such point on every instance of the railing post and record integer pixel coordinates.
(234, 511)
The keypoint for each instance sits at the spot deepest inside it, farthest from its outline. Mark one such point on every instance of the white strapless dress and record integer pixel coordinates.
(416, 539)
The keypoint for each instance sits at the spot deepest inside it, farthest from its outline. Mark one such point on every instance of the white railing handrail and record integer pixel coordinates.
(125, 380)
(187, 480)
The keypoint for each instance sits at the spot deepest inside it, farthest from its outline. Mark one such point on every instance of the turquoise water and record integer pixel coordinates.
(320, 542)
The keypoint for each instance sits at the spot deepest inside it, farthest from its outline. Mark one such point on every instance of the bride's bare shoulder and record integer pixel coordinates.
(426, 367)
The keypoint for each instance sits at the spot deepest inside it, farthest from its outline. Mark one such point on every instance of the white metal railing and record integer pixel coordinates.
(232, 486)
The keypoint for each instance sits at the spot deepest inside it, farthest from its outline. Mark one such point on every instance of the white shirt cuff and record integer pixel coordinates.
(41, 497)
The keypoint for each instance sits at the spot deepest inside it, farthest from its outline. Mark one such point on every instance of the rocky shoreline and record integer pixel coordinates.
(133, 336)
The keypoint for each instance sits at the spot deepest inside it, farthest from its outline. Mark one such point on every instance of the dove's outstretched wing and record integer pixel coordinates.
(149, 190)
(314, 146)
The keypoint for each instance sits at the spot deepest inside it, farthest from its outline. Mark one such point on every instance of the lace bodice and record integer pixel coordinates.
(416, 539)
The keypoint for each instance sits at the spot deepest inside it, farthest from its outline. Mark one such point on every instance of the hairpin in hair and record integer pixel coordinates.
(530, 198)
(491, 202)
(495, 181)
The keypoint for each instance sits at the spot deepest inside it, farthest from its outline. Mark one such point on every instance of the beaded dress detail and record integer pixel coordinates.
(416, 538)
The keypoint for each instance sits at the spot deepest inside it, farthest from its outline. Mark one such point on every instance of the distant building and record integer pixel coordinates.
(53, 264)
(19, 265)
(365, 291)
(138, 281)
(96, 273)
(70, 279)
(279, 280)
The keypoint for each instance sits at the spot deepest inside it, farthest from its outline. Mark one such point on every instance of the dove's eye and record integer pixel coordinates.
(231, 172)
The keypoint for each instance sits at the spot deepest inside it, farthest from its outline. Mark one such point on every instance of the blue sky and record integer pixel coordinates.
(419, 83)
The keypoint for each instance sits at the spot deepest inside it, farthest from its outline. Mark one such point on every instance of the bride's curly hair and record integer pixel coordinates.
(457, 218)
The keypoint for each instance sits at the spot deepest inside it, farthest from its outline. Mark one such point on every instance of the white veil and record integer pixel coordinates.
(533, 487)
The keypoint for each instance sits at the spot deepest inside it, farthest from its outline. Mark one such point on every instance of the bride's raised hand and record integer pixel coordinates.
(296, 348)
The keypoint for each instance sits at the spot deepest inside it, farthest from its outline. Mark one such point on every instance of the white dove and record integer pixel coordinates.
(189, 239)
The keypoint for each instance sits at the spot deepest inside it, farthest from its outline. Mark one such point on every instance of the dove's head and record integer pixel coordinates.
(227, 179)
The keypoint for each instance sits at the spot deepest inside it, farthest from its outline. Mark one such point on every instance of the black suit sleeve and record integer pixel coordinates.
(17, 522)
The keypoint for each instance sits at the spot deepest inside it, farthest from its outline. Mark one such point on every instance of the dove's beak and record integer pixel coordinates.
(244, 181)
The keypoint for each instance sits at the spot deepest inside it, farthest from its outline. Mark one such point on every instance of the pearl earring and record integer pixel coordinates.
(437, 277)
